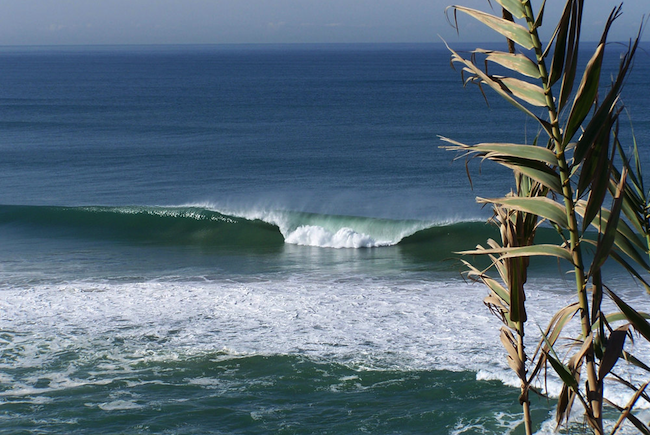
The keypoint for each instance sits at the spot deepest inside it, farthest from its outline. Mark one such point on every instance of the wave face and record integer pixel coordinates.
(254, 228)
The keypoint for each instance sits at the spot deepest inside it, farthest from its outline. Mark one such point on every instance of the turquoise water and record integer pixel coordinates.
(253, 239)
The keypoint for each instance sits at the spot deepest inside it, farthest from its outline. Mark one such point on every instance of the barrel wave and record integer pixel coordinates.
(183, 225)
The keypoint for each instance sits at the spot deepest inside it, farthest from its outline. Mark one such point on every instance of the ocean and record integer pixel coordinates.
(257, 239)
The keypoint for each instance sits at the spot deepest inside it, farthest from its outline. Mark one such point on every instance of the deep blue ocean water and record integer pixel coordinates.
(254, 239)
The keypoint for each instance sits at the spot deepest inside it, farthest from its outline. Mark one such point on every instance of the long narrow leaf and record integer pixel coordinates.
(507, 150)
(498, 88)
(635, 361)
(528, 92)
(607, 106)
(615, 343)
(588, 90)
(515, 7)
(586, 95)
(510, 344)
(624, 229)
(635, 318)
(563, 371)
(514, 62)
(525, 251)
(510, 30)
(605, 243)
(560, 37)
(540, 206)
(571, 57)
(544, 175)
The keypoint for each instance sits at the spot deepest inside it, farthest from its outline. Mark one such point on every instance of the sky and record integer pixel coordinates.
(80, 22)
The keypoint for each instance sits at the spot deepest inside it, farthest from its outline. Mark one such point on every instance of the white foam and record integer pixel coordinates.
(309, 235)
(375, 323)
(330, 231)
(117, 405)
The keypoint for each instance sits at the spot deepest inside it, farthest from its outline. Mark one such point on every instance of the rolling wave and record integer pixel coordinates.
(249, 228)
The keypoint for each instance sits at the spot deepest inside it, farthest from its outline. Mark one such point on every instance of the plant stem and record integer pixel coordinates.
(525, 402)
(567, 193)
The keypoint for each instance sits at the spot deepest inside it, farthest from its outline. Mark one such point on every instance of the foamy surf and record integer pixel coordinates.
(334, 231)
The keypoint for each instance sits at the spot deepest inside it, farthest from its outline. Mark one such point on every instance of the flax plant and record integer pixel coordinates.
(576, 178)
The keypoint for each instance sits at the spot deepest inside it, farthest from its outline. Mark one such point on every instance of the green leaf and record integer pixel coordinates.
(496, 86)
(514, 62)
(510, 30)
(600, 123)
(529, 160)
(524, 251)
(572, 51)
(599, 186)
(606, 242)
(543, 174)
(633, 316)
(528, 92)
(515, 7)
(607, 106)
(635, 361)
(586, 95)
(560, 36)
(506, 151)
(563, 371)
(615, 343)
(540, 206)
(559, 320)
(626, 235)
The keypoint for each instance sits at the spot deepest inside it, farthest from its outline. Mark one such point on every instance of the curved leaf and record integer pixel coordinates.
(563, 371)
(625, 232)
(514, 62)
(525, 251)
(560, 37)
(572, 51)
(510, 30)
(515, 7)
(510, 344)
(606, 242)
(615, 343)
(496, 86)
(586, 95)
(634, 317)
(540, 206)
(506, 151)
(542, 174)
(530, 93)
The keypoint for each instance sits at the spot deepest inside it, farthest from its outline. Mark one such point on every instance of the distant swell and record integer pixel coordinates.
(244, 229)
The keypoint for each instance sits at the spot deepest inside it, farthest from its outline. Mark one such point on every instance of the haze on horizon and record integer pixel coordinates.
(84, 22)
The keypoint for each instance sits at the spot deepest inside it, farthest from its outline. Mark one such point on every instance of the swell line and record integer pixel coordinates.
(182, 225)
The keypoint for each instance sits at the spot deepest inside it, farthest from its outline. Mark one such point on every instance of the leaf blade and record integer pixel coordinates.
(540, 206)
(510, 30)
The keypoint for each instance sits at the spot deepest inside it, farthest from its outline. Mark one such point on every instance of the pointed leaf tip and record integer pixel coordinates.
(510, 30)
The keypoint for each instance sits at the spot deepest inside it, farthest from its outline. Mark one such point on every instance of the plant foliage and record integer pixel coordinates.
(576, 178)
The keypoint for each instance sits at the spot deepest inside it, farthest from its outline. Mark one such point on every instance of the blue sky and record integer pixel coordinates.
(44, 22)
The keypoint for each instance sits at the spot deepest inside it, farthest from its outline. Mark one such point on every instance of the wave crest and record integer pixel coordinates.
(309, 235)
